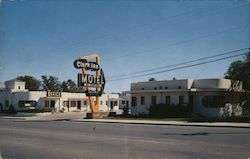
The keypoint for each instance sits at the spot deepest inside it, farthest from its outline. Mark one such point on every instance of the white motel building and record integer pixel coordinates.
(16, 96)
(207, 97)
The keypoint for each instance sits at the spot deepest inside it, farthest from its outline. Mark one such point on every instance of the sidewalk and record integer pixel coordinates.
(174, 123)
(78, 117)
(45, 116)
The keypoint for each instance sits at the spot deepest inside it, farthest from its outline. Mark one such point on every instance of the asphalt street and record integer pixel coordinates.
(20, 139)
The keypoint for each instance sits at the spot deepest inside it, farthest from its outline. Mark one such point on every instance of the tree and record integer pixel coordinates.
(69, 86)
(31, 83)
(152, 79)
(240, 70)
(65, 87)
(51, 83)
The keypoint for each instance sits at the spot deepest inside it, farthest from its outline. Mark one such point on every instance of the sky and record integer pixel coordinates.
(42, 37)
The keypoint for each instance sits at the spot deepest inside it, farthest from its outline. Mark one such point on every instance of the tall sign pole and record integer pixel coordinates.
(92, 83)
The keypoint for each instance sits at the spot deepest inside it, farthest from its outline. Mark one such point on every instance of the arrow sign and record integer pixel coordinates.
(103, 78)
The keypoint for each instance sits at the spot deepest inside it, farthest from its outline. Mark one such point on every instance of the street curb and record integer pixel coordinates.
(170, 124)
(6, 117)
(243, 125)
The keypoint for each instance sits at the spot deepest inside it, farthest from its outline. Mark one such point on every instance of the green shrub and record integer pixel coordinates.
(164, 110)
(8, 112)
(125, 111)
(44, 110)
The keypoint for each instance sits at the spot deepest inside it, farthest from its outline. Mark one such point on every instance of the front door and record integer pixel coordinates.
(191, 102)
(111, 105)
(78, 104)
(52, 104)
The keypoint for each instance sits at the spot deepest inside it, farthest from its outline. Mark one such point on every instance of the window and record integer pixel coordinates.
(7, 103)
(142, 88)
(73, 103)
(85, 102)
(65, 103)
(101, 102)
(46, 103)
(167, 100)
(123, 102)
(27, 103)
(106, 102)
(166, 87)
(153, 100)
(179, 87)
(142, 100)
(181, 100)
(160, 87)
(134, 101)
(49, 103)
(115, 103)
(213, 101)
(19, 87)
(155, 87)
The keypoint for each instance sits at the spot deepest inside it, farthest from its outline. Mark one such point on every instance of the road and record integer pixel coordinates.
(20, 139)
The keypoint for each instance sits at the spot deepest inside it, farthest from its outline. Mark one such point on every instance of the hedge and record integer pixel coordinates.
(164, 110)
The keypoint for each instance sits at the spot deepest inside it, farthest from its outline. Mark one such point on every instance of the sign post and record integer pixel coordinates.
(92, 83)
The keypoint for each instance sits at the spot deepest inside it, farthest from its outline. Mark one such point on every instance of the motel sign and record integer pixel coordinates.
(93, 84)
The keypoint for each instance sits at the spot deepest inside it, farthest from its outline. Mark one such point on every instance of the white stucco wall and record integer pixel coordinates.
(170, 84)
(160, 98)
(15, 86)
(196, 88)
(41, 96)
(126, 98)
(215, 84)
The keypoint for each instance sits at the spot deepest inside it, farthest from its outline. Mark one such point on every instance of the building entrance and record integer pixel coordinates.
(79, 105)
(52, 103)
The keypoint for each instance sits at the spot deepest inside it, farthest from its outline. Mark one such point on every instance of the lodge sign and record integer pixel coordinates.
(83, 63)
(53, 94)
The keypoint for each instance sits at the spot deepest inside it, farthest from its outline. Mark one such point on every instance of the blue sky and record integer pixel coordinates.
(45, 37)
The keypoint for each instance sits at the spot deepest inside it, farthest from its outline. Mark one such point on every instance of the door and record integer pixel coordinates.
(79, 105)
(111, 105)
(191, 102)
(52, 103)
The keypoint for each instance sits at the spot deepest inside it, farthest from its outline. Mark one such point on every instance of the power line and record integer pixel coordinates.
(191, 15)
(188, 19)
(185, 16)
(183, 41)
(177, 64)
(189, 40)
(178, 68)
